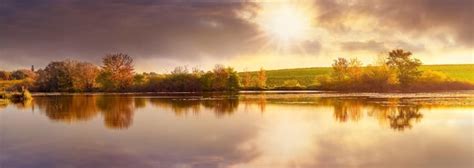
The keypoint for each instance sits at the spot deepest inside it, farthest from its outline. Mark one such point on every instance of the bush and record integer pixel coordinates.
(399, 73)
(437, 81)
(291, 85)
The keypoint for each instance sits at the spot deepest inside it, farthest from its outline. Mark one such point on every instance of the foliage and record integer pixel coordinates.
(247, 80)
(84, 76)
(22, 74)
(180, 80)
(5, 75)
(399, 73)
(433, 80)
(262, 79)
(308, 76)
(340, 68)
(117, 72)
(380, 78)
(67, 76)
(406, 67)
(57, 76)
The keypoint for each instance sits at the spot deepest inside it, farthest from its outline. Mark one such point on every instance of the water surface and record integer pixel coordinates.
(303, 130)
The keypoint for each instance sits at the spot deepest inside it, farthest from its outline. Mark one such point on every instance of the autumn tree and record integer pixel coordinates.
(5, 75)
(355, 69)
(68, 75)
(220, 79)
(117, 72)
(84, 76)
(56, 77)
(22, 74)
(262, 79)
(340, 68)
(233, 82)
(405, 65)
(379, 78)
(247, 79)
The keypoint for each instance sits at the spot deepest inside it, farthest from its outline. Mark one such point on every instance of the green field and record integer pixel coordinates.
(307, 76)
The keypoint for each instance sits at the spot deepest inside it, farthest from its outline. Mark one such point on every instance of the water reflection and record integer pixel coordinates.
(236, 132)
(68, 108)
(118, 111)
(390, 111)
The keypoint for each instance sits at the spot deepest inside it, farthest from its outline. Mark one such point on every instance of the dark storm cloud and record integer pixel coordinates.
(417, 17)
(39, 31)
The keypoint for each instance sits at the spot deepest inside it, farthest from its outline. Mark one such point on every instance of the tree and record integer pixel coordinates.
(5, 75)
(139, 81)
(340, 69)
(84, 76)
(181, 80)
(233, 83)
(262, 79)
(355, 70)
(117, 72)
(379, 78)
(406, 67)
(56, 77)
(23, 74)
(206, 80)
(247, 80)
(220, 78)
(68, 75)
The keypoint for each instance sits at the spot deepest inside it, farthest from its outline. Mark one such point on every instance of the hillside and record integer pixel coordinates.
(306, 76)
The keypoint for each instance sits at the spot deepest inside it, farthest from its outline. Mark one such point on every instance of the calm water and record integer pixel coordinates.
(247, 131)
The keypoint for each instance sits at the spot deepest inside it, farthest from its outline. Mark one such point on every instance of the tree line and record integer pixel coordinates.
(116, 74)
(398, 71)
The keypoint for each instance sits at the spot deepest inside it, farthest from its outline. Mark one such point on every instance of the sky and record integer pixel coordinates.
(247, 35)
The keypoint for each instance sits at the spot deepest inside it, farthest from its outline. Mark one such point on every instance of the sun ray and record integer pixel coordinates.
(285, 25)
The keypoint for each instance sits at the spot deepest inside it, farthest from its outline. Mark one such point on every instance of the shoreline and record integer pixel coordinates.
(308, 93)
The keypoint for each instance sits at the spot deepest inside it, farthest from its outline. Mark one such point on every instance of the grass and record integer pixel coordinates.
(307, 76)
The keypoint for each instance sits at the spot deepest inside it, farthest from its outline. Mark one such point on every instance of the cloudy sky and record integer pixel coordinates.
(160, 35)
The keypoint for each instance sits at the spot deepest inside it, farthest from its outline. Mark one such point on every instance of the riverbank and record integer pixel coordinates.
(276, 93)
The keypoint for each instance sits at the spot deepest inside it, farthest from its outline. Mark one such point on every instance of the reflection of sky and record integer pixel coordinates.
(282, 136)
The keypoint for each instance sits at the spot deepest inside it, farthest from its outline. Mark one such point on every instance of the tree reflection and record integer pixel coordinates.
(388, 112)
(117, 111)
(404, 117)
(182, 107)
(347, 109)
(222, 107)
(68, 108)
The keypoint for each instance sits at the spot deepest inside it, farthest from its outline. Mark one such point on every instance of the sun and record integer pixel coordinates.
(285, 23)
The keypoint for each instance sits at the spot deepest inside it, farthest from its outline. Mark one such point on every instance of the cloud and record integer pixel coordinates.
(87, 30)
(208, 32)
(451, 19)
(367, 46)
